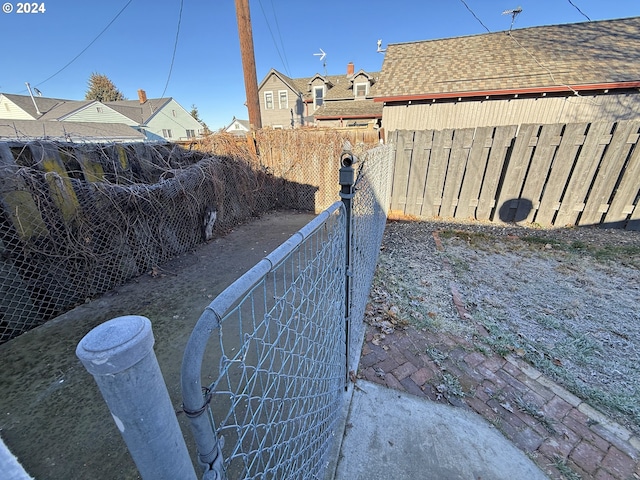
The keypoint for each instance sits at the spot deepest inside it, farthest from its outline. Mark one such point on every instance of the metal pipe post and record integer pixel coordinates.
(347, 180)
(119, 354)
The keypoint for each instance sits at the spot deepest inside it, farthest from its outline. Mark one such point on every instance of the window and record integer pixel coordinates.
(268, 100)
(360, 90)
(173, 112)
(166, 133)
(318, 96)
(191, 133)
(283, 99)
(99, 109)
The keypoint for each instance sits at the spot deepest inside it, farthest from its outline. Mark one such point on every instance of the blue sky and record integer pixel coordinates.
(136, 50)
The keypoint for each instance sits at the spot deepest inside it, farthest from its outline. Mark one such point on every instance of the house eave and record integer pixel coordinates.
(513, 91)
(346, 117)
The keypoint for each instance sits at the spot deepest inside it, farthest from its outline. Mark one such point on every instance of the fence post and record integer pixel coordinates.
(347, 180)
(119, 354)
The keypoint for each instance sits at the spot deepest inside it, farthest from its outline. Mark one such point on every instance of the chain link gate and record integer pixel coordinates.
(264, 371)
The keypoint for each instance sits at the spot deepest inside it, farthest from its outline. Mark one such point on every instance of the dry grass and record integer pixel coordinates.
(564, 300)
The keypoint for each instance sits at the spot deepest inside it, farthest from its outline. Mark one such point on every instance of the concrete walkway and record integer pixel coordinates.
(392, 434)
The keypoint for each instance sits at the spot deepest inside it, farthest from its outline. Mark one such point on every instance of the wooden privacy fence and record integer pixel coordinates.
(560, 174)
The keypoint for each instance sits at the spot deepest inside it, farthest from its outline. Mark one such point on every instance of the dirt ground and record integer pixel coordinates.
(52, 416)
(565, 300)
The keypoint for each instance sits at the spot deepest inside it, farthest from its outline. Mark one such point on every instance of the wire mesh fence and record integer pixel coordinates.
(270, 352)
(78, 220)
(369, 215)
(276, 357)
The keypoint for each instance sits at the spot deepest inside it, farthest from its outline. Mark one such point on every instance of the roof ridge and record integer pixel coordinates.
(497, 32)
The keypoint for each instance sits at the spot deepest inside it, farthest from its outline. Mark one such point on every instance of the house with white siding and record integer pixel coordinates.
(580, 72)
(238, 127)
(25, 107)
(75, 132)
(160, 119)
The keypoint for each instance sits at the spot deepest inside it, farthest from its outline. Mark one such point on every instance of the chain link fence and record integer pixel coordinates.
(79, 219)
(265, 367)
(369, 215)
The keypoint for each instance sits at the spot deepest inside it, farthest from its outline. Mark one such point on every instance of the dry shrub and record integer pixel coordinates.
(307, 156)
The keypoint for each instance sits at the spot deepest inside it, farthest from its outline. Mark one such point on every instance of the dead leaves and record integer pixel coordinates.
(382, 314)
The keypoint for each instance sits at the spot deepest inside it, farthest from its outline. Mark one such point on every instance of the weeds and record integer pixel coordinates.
(450, 386)
(436, 355)
(561, 464)
(533, 410)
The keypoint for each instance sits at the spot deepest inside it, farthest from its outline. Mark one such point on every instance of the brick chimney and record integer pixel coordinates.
(142, 96)
(350, 69)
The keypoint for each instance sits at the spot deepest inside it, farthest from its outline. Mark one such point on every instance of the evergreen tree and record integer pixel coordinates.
(194, 113)
(102, 89)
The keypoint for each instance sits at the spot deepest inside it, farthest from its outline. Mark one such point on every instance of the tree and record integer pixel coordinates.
(102, 89)
(194, 113)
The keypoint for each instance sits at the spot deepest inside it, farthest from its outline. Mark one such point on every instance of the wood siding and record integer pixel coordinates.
(99, 113)
(552, 175)
(164, 119)
(10, 110)
(276, 116)
(492, 113)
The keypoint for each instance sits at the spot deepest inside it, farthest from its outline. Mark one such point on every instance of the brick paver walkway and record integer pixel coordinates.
(565, 436)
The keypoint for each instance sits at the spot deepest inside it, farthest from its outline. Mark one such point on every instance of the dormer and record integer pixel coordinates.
(361, 83)
(318, 86)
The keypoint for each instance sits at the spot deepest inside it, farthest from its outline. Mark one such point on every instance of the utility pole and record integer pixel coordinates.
(248, 62)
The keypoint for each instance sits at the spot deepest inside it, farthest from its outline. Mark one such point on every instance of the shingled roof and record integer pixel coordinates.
(50, 108)
(139, 113)
(578, 56)
(68, 131)
(349, 109)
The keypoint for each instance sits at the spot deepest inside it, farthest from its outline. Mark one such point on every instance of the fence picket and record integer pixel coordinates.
(422, 144)
(502, 141)
(598, 202)
(404, 149)
(442, 143)
(538, 172)
(627, 191)
(516, 172)
(555, 174)
(476, 166)
(587, 162)
(462, 141)
(572, 138)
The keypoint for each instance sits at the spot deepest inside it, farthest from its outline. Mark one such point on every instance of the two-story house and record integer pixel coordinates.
(322, 100)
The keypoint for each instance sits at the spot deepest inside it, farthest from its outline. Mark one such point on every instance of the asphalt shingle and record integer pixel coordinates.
(572, 54)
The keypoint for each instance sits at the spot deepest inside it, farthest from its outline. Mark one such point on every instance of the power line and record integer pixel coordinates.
(475, 16)
(91, 43)
(286, 60)
(569, 87)
(175, 47)
(578, 8)
(284, 64)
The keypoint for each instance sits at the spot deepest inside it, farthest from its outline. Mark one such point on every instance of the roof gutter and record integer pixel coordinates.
(513, 91)
(346, 117)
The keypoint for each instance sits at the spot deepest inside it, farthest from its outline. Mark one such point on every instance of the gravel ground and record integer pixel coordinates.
(565, 300)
